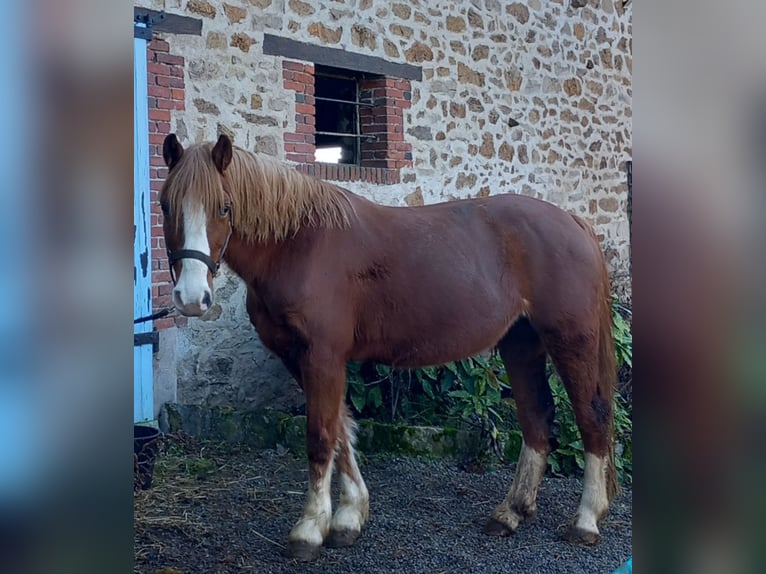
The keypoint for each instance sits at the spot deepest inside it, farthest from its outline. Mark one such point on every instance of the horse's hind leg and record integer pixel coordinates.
(578, 359)
(323, 381)
(524, 358)
(354, 506)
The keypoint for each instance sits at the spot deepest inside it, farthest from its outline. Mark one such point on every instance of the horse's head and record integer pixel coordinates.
(197, 219)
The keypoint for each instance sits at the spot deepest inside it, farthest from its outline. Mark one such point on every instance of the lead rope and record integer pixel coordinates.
(158, 315)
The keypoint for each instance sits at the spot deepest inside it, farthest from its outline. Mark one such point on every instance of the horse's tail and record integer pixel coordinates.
(607, 360)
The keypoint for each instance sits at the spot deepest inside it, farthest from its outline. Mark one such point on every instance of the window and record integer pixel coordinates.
(338, 119)
(349, 112)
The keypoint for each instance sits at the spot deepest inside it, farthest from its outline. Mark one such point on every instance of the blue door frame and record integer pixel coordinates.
(143, 388)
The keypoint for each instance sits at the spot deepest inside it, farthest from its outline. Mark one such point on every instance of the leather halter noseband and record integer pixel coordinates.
(214, 266)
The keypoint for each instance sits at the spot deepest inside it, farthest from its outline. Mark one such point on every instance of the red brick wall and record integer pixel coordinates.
(386, 121)
(381, 159)
(166, 92)
(300, 145)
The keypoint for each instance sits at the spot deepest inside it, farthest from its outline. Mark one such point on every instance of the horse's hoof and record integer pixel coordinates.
(577, 535)
(341, 538)
(495, 528)
(302, 551)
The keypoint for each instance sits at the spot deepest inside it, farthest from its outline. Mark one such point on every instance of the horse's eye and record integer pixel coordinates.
(225, 210)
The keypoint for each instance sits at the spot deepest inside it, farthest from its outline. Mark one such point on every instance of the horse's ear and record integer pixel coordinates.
(222, 153)
(172, 150)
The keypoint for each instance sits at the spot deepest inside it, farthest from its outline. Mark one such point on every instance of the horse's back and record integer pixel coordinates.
(497, 240)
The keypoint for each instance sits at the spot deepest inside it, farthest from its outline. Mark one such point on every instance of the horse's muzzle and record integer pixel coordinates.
(194, 308)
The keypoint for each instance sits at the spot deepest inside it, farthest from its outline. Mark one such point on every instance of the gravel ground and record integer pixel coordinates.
(215, 510)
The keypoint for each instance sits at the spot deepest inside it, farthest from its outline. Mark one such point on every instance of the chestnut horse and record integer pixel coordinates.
(333, 277)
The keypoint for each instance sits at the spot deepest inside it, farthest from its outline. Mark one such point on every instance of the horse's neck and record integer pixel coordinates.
(255, 262)
(246, 259)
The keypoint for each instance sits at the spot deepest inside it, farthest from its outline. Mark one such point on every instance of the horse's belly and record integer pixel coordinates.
(434, 345)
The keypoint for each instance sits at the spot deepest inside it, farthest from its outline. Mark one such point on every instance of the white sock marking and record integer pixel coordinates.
(315, 523)
(353, 509)
(522, 495)
(594, 501)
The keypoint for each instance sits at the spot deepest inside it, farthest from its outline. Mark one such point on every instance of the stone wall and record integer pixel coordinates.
(532, 98)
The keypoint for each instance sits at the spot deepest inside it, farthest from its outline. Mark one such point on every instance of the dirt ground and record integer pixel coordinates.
(217, 509)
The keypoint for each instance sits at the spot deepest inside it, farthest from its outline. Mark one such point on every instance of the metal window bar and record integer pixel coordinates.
(371, 137)
(353, 103)
(358, 135)
(358, 125)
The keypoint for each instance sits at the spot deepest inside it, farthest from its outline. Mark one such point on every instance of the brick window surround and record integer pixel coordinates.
(166, 87)
(381, 158)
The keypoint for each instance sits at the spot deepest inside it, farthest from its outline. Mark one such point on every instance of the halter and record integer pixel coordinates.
(214, 266)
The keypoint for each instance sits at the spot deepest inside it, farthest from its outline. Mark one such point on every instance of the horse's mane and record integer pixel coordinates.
(269, 200)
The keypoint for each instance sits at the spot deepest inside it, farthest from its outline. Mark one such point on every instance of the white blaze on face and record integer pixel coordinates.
(192, 294)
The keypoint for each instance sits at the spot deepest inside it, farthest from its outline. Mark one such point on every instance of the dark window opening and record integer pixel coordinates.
(338, 131)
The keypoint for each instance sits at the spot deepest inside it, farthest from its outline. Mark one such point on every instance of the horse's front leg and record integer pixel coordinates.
(323, 381)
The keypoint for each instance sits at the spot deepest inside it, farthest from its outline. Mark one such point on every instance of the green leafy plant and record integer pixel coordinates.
(366, 397)
(623, 408)
(623, 339)
(569, 457)
(416, 395)
(623, 430)
(478, 397)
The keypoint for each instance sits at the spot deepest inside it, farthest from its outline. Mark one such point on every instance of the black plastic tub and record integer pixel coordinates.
(146, 442)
